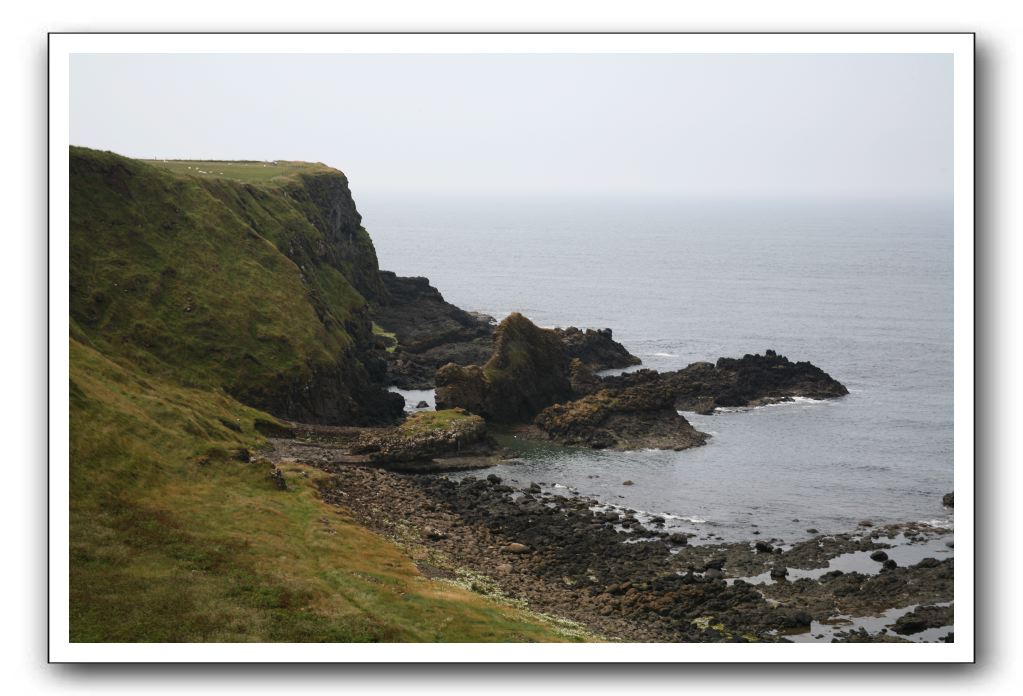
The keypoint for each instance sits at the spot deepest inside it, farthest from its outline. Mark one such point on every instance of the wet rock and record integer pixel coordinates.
(879, 556)
(779, 572)
(923, 618)
(812, 530)
(627, 483)
(422, 404)
(889, 564)
(948, 500)
(763, 547)
(678, 539)
(866, 523)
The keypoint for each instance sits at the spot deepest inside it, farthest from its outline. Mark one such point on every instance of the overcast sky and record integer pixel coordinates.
(615, 124)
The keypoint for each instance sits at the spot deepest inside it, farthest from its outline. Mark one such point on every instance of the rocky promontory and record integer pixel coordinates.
(753, 380)
(544, 379)
(536, 377)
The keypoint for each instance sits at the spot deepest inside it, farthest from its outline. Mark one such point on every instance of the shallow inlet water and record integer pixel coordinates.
(861, 289)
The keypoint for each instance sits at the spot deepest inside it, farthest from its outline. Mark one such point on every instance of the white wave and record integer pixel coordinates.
(665, 515)
(666, 355)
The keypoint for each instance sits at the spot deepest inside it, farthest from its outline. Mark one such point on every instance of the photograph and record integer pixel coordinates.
(616, 347)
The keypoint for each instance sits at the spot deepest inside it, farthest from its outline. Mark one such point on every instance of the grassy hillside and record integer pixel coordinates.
(252, 288)
(252, 172)
(175, 538)
(192, 293)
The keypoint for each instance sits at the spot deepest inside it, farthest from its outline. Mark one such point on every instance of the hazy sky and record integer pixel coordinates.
(613, 124)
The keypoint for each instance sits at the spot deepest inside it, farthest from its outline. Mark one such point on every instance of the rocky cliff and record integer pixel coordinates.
(258, 287)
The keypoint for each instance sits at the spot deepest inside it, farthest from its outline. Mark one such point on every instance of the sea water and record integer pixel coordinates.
(863, 289)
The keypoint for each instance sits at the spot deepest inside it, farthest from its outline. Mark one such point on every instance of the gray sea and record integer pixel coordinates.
(862, 289)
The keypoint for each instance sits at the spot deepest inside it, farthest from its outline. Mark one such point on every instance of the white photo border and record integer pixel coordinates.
(63, 45)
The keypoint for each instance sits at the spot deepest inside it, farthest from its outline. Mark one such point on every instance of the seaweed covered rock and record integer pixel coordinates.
(427, 435)
(642, 416)
(595, 348)
(527, 372)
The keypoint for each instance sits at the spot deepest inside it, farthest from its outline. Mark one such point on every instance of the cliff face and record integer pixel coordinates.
(254, 287)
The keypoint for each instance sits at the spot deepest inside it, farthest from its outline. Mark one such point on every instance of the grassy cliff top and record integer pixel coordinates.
(249, 172)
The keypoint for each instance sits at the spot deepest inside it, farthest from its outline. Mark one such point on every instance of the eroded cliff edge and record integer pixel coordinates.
(256, 288)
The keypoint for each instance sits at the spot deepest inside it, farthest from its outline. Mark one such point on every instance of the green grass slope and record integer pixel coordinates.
(174, 537)
(253, 288)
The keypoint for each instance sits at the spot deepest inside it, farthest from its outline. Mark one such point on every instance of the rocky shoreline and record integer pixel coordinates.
(624, 578)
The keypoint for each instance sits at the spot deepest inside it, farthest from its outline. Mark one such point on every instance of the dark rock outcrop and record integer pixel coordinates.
(642, 416)
(527, 372)
(595, 348)
(430, 331)
(752, 380)
(422, 319)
